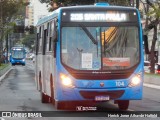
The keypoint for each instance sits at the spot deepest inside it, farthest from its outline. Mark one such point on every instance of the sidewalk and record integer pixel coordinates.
(152, 81)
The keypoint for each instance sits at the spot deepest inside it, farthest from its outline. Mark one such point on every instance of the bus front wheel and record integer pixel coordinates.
(123, 104)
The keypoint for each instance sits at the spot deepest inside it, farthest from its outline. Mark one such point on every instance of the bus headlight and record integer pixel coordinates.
(23, 60)
(65, 80)
(135, 80)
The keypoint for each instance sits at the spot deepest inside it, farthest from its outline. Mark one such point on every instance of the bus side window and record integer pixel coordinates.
(47, 37)
(37, 44)
(44, 39)
(50, 36)
(48, 29)
(55, 30)
(40, 39)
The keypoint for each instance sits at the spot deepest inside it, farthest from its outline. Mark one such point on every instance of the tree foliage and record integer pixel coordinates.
(28, 40)
(58, 3)
(10, 11)
(153, 19)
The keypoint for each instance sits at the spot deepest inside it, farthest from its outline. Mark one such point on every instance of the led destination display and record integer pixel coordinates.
(97, 16)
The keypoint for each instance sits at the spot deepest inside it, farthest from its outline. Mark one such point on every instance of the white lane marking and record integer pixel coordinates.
(151, 86)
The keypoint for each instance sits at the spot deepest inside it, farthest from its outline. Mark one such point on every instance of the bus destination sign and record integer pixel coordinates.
(99, 16)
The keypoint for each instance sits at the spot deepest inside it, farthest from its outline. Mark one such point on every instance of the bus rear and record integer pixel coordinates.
(99, 55)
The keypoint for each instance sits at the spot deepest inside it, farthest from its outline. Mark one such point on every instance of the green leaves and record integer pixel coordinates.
(11, 10)
(154, 12)
(28, 40)
(58, 3)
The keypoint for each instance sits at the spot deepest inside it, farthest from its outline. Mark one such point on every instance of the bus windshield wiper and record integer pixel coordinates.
(89, 34)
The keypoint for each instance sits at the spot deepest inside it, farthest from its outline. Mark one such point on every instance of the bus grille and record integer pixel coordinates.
(111, 94)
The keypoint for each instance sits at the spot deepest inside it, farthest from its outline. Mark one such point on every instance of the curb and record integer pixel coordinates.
(151, 86)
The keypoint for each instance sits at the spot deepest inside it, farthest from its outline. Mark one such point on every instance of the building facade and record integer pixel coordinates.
(34, 11)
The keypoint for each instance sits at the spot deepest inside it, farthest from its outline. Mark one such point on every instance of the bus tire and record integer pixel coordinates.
(45, 98)
(123, 104)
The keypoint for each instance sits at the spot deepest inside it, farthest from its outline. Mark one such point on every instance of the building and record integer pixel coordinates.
(29, 18)
(34, 11)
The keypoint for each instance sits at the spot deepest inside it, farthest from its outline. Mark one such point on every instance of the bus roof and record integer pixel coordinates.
(48, 17)
(55, 13)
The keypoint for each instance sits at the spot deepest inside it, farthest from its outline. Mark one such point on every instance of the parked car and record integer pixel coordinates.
(157, 68)
(147, 66)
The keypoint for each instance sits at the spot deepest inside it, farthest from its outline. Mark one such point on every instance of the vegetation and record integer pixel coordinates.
(29, 40)
(54, 4)
(153, 19)
(2, 66)
(152, 75)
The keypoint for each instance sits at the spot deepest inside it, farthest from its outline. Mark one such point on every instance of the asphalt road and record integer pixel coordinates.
(18, 93)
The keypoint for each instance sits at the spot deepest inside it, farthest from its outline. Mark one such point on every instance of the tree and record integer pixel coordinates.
(28, 41)
(58, 3)
(153, 19)
(10, 10)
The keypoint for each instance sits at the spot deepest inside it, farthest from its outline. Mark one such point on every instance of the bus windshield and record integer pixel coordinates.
(18, 54)
(100, 48)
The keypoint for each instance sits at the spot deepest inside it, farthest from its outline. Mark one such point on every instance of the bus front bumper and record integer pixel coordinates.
(77, 94)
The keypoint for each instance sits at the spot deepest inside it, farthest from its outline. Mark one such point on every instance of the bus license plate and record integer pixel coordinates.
(101, 98)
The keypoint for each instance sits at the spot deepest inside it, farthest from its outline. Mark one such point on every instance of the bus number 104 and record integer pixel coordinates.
(119, 83)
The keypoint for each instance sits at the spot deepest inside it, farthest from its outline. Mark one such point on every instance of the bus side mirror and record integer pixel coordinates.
(145, 40)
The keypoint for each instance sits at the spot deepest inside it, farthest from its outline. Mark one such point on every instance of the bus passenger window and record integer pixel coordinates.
(48, 29)
(44, 42)
(37, 44)
(50, 44)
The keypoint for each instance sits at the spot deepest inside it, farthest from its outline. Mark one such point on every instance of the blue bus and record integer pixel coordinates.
(17, 56)
(90, 53)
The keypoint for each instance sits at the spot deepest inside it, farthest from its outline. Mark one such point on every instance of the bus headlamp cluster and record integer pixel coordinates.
(135, 80)
(66, 81)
